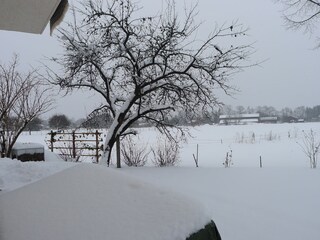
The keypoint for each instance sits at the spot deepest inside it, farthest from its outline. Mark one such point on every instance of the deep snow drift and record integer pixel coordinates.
(93, 202)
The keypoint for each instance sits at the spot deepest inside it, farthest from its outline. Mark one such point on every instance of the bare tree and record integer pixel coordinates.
(23, 98)
(12, 86)
(147, 67)
(310, 146)
(301, 14)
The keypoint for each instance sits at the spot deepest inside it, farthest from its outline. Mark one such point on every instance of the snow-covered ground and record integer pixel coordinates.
(279, 201)
(89, 201)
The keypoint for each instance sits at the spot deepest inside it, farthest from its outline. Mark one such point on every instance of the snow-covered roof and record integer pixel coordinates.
(239, 121)
(30, 16)
(26, 148)
(239, 116)
(20, 145)
(273, 118)
(94, 202)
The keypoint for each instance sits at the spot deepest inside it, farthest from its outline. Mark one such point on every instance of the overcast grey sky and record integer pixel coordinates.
(289, 77)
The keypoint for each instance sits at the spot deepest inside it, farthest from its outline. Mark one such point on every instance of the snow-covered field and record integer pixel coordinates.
(279, 201)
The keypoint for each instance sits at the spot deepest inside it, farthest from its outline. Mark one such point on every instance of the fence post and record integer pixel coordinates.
(118, 152)
(197, 155)
(73, 144)
(196, 159)
(51, 140)
(97, 146)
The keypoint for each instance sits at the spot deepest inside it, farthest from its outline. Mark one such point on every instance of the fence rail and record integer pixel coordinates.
(69, 144)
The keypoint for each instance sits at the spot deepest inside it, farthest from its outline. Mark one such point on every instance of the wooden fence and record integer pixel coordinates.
(76, 144)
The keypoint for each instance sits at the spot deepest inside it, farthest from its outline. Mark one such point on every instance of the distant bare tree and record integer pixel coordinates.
(23, 98)
(228, 110)
(286, 112)
(147, 67)
(301, 14)
(266, 111)
(240, 109)
(299, 112)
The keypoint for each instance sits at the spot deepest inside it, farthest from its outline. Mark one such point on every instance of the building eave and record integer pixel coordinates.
(30, 16)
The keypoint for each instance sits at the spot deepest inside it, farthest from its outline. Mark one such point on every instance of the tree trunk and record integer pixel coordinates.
(113, 136)
(106, 157)
(3, 147)
(108, 150)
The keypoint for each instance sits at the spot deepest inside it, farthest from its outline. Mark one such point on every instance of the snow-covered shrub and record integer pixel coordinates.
(133, 155)
(166, 153)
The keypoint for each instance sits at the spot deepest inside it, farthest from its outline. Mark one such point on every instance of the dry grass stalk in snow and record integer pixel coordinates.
(310, 146)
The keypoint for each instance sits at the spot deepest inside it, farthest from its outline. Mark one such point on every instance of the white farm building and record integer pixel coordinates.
(239, 118)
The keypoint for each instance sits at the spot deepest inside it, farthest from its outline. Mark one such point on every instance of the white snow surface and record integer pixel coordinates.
(248, 203)
(279, 201)
(19, 145)
(95, 202)
(15, 174)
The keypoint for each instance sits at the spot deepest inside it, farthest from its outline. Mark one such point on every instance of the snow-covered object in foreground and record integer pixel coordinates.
(93, 202)
(28, 151)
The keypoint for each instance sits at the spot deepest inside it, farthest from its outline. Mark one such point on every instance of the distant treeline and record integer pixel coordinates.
(306, 113)
(103, 120)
